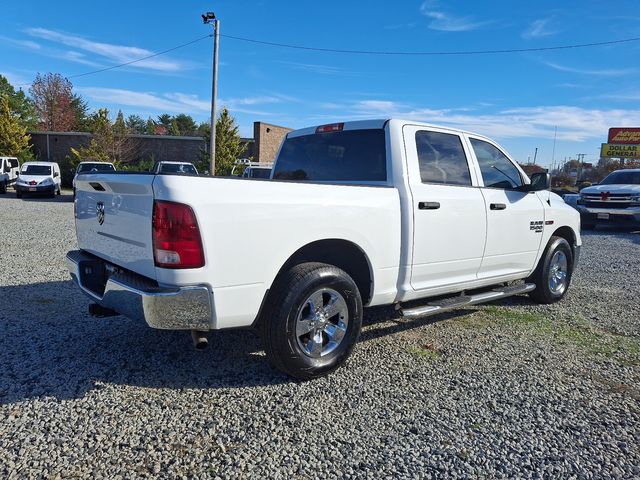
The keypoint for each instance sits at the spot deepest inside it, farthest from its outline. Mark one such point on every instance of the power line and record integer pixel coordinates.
(358, 52)
(113, 67)
(453, 52)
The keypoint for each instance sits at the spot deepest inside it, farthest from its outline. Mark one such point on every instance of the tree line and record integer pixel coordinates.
(52, 105)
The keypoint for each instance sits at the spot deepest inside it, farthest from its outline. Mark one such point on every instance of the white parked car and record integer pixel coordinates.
(91, 167)
(38, 177)
(9, 168)
(357, 214)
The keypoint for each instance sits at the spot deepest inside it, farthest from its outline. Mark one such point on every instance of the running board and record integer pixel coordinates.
(453, 303)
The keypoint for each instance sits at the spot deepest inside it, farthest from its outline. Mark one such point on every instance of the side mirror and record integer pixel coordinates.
(56, 174)
(540, 181)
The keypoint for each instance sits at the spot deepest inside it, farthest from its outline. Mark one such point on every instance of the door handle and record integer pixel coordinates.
(428, 205)
(497, 206)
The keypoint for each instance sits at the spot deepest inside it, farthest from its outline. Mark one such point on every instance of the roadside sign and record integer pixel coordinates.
(624, 136)
(620, 151)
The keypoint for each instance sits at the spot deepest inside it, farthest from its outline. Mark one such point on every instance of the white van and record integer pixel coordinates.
(38, 177)
(9, 168)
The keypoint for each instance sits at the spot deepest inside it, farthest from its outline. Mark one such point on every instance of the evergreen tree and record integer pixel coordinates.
(135, 124)
(173, 127)
(19, 104)
(229, 148)
(186, 125)
(150, 128)
(119, 126)
(13, 136)
(80, 110)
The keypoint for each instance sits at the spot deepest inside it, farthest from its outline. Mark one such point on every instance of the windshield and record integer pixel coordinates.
(260, 173)
(185, 168)
(36, 170)
(622, 178)
(348, 156)
(95, 167)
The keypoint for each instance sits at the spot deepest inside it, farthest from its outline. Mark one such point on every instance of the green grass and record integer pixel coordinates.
(424, 351)
(579, 332)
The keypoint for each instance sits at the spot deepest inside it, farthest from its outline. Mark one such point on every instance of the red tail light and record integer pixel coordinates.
(176, 236)
(333, 127)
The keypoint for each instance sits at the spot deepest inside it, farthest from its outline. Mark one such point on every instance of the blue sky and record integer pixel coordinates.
(518, 99)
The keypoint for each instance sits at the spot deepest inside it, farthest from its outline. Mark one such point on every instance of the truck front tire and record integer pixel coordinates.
(312, 321)
(553, 274)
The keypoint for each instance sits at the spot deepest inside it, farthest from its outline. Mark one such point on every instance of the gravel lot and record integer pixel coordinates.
(506, 390)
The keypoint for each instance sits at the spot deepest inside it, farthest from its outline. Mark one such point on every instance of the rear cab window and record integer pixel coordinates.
(357, 156)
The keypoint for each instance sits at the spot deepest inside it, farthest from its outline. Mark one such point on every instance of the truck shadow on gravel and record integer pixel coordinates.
(51, 347)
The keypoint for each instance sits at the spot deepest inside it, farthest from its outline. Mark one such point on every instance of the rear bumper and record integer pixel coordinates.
(139, 298)
(616, 216)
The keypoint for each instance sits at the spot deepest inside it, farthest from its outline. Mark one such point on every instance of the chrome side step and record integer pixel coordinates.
(453, 303)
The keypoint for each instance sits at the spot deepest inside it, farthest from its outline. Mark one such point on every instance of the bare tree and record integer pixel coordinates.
(53, 100)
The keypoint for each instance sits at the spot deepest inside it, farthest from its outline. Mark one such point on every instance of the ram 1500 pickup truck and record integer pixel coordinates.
(615, 201)
(355, 214)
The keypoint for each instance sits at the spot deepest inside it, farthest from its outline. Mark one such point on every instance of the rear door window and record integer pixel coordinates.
(442, 158)
(345, 156)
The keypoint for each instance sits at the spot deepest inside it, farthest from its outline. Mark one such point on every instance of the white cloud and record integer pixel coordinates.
(176, 102)
(447, 22)
(21, 43)
(111, 52)
(602, 72)
(538, 28)
(574, 123)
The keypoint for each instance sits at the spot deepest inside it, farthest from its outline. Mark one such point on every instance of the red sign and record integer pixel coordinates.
(624, 136)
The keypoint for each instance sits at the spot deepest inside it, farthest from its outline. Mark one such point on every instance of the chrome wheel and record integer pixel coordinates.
(322, 322)
(558, 272)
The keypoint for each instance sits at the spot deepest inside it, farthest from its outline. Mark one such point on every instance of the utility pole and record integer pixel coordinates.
(210, 18)
(535, 155)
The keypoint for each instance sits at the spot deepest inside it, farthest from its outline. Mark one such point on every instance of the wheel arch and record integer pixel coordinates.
(340, 253)
(569, 235)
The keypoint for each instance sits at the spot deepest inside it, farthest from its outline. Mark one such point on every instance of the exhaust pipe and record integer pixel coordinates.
(99, 311)
(199, 338)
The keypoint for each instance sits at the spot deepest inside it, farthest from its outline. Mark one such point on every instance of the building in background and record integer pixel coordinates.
(56, 146)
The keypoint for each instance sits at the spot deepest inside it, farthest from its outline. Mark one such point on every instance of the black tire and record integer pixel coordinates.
(59, 191)
(3, 187)
(290, 306)
(556, 249)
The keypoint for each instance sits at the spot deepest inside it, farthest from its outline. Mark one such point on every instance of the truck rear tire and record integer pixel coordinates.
(313, 320)
(553, 274)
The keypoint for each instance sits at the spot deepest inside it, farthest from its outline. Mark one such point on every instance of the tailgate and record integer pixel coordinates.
(113, 219)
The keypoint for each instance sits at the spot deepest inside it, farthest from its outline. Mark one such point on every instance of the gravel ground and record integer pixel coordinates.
(500, 391)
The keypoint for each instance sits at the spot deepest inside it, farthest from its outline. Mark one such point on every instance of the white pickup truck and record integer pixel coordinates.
(355, 214)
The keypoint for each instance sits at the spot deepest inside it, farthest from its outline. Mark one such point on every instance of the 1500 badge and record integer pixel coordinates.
(537, 226)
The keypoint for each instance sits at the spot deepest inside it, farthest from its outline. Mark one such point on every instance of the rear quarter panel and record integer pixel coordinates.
(250, 228)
